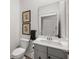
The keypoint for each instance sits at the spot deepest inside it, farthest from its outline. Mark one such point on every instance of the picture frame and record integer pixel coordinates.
(26, 29)
(26, 16)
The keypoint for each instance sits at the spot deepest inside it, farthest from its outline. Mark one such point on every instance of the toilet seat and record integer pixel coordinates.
(18, 51)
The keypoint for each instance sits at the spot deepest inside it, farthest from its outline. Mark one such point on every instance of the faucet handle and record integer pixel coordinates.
(51, 38)
(47, 38)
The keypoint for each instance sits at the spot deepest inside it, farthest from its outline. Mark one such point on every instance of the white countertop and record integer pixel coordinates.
(54, 43)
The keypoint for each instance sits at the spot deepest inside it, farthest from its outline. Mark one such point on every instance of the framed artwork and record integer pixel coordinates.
(26, 16)
(26, 29)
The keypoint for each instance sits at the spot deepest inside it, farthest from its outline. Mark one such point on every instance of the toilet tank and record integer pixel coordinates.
(24, 43)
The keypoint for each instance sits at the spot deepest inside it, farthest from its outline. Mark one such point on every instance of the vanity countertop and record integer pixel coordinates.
(54, 43)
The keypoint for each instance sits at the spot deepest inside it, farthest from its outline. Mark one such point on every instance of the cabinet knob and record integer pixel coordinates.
(39, 57)
(48, 57)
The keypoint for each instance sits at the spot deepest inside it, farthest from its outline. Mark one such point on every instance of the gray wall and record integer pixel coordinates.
(14, 24)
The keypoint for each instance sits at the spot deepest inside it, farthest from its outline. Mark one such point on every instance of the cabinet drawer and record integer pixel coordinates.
(57, 52)
(40, 48)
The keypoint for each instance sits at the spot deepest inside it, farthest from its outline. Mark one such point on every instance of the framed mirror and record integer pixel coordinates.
(48, 19)
(49, 24)
(53, 19)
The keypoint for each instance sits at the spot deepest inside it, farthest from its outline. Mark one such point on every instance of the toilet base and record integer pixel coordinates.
(21, 57)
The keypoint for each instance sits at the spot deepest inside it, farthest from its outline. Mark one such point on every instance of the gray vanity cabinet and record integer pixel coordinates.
(40, 52)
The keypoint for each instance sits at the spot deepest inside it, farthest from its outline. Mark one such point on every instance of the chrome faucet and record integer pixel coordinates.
(49, 38)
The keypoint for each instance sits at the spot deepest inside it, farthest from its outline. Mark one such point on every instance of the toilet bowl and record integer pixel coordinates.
(18, 53)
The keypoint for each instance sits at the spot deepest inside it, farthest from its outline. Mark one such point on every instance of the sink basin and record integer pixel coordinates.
(50, 42)
(55, 42)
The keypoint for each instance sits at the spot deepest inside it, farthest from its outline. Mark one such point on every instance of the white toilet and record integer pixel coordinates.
(18, 53)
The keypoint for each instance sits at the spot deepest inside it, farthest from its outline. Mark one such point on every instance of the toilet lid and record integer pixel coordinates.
(18, 51)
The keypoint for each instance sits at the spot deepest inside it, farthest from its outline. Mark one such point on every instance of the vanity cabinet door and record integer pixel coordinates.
(35, 54)
(42, 55)
(57, 52)
(40, 52)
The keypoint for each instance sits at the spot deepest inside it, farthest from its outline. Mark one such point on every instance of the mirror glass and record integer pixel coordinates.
(49, 25)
